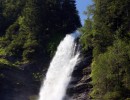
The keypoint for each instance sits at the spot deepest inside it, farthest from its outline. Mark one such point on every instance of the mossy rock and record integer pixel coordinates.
(127, 99)
(33, 97)
(112, 96)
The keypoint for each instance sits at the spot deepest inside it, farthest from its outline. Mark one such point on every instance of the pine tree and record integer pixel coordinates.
(70, 15)
(109, 40)
(37, 24)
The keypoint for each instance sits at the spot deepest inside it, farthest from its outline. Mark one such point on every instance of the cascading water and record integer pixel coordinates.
(59, 73)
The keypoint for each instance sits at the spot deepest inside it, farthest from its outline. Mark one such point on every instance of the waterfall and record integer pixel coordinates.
(61, 67)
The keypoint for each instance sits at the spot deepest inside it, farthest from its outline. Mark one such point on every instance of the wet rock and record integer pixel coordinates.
(80, 86)
(18, 83)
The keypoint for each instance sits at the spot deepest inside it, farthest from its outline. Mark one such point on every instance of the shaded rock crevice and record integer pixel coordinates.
(80, 86)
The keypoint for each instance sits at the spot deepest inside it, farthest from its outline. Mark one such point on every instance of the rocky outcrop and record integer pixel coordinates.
(80, 86)
(19, 83)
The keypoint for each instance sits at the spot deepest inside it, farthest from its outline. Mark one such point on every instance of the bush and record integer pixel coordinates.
(112, 96)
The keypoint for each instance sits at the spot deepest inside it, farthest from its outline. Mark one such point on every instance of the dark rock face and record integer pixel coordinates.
(80, 86)
(19, 83)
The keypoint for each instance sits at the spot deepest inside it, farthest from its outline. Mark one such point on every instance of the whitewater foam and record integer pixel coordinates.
(61, 67)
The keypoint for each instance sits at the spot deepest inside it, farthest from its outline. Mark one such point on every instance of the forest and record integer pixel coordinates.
(30, 31)
(107, 33)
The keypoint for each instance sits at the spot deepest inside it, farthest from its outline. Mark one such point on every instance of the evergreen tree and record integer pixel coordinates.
(109, 72)
(109, 38)
(33, 26)
(70, 15)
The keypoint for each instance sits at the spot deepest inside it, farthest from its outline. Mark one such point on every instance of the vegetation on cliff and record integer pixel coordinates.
(107, 33)
(30, 31)
(27, 27)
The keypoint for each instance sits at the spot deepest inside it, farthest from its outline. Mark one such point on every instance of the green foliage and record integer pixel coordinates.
(30, 31)
(86, 38)
(30, 47)
(112, 96)
(107, 33)
(127, 99)
(110, 69)
(28, 28)
(37, 76)
(52, 45)
(4, 61)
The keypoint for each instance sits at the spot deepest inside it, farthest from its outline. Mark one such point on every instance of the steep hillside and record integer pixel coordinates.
(107, 33)
(30, 31)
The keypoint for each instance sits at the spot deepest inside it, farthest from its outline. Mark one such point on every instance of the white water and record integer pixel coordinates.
(61, 67)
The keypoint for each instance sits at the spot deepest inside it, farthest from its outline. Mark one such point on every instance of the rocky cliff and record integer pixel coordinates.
(80, 84)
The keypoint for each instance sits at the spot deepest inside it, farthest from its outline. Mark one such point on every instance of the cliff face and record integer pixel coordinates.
(23, 83)
(80, 84)
(18, 84)
(30, 31)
